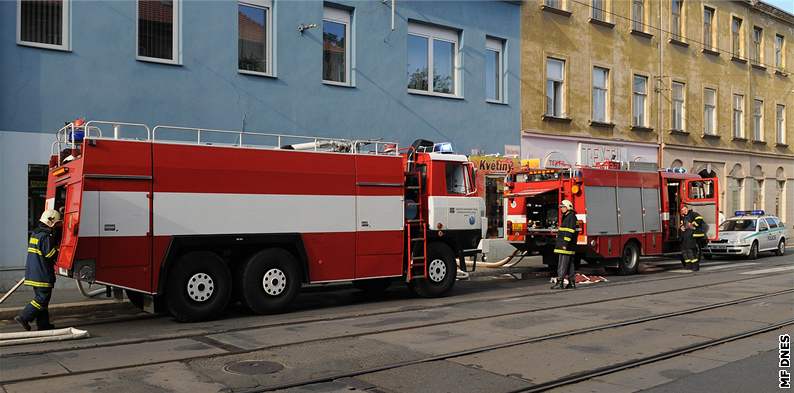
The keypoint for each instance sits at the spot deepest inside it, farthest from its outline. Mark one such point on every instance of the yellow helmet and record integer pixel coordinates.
(567, 204)
(50, 217)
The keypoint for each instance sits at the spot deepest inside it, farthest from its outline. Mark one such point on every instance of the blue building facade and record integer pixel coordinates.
(439, 70)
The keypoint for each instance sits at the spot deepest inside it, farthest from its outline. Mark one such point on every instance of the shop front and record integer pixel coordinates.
(554, 151)
(490, 177)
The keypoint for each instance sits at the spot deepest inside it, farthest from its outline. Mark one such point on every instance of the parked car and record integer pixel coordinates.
(747, 234)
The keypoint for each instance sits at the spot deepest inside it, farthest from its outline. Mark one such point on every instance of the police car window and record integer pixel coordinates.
(762, 225)
(771, 222)
(738, 225)
(456, 179)
(703, 189)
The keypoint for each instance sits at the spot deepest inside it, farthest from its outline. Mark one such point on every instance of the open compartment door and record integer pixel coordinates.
(702, 196)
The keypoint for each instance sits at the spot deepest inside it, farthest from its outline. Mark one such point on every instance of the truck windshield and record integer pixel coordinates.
(738, 225)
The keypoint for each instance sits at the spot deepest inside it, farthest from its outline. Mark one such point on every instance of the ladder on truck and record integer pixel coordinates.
(415, 227)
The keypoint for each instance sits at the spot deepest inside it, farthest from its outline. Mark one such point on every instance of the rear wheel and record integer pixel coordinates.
(629, 261)
(270, 280)
(781, 248)
(441, 272)
(753, 251)
(199, 287)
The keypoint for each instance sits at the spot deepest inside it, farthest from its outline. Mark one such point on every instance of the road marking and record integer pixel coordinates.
(729, 265)
(770, 270)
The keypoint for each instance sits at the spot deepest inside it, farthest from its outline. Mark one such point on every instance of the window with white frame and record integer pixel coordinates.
(639, 116)
(336, 45)
(738, 116)
(494, 69)
(555, 87)
(432, 60)
(709, 111)
(638, 15)
(736, 37)
(758, 120)
(158, 30)
(679, 106)
(708, 28)
(758, 44)
(676, 19)
(780, 124)
(779, 55)
(43, 24)
(254, 36)
(600, 94)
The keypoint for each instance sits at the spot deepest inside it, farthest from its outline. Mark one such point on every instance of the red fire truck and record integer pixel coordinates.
(188, 219)
(622, 212)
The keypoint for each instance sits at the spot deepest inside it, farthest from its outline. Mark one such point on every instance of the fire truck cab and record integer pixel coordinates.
(188, 219)
(622, 212)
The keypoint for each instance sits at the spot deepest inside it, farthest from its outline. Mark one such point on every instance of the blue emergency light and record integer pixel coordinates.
(443, 148)
(740, 213)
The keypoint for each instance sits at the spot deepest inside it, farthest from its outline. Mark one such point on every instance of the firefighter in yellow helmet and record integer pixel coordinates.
(566, 241)
(40, 271)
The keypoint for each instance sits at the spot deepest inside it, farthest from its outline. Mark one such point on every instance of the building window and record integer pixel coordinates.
(158, 30)
(758, 120)
(780, 193)
(676, 20)
(736, 37)
(738, 116)
(709, 111)
(708, 28)
(639, 117)
(432, 60)
(336, 46)
(779, 55)
(734, 195)
(43, 24)
(679, 106)
(555, 87)
(599, 10)
(600, 94)
(554, 4)
(780, 124)
(494, 69)
(638, 15)
(758, 45)
(253, 37)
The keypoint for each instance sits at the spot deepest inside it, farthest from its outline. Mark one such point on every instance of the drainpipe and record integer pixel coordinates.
(660, 85)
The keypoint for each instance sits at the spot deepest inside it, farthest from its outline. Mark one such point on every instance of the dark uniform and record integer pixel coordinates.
(693, 237)
(566, 241)
(40, 274)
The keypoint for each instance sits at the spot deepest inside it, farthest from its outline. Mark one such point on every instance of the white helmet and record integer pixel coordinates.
(567, 204)
(50, 217)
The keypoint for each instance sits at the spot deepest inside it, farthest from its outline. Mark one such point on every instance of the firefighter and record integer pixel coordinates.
(40, 272)
(693, 237)
(566, 240)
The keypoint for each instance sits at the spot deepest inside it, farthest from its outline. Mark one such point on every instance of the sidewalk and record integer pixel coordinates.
(64, 300)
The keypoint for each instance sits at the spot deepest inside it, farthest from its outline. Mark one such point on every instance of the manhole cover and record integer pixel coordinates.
(252, 367)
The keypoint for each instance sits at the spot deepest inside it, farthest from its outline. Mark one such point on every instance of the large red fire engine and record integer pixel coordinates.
(622, 212)
(188, 225)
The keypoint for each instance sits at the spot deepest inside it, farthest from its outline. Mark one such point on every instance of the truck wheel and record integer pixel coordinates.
(781, 248)
(753, 251)
(441, 272)
(199, 287)
(374, 287)
(270, 281)
(629, 261)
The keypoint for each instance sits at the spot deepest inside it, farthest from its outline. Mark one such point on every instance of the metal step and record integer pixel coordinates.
(415, 221)
(411, 187)
(417, 239)
(418, 258)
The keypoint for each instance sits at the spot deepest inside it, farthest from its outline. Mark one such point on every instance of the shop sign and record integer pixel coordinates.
(492, 164)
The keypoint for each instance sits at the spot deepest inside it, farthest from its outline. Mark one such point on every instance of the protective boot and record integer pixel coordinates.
(25, 325)
(571, 284)
(560, 284)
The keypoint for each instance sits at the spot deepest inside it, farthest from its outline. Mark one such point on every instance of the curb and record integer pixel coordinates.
(70, 308)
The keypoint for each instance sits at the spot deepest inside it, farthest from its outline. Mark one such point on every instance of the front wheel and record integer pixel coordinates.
(629, 261)
(753, 251)
(270, 281)
(441, 272)
(781, 248)
(199, 287)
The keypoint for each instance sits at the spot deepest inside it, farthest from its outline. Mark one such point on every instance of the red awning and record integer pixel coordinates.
(532, 192)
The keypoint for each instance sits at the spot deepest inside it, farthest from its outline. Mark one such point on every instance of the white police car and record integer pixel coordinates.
(747, 234)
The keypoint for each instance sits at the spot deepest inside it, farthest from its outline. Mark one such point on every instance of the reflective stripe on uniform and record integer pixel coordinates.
(34, 241)
(35, 304)
(566, 238)
(38, 284)
(698, 234)
(564, 229)
(34, 250)
(561, 251)
(51, 253)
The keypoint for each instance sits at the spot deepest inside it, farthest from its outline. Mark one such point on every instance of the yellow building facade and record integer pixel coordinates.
(704, 85)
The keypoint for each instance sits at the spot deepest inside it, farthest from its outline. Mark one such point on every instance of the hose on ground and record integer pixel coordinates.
(89, 292)
(501, 263)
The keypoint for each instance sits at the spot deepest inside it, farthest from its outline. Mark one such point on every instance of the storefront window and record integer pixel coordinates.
(494, 191)
(779, 202)
(37, 193)
(734, 195)
(758, 194)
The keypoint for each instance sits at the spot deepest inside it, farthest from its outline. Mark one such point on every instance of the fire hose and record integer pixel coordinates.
(501, 263)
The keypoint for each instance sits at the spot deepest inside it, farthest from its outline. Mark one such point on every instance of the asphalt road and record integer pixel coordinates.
(495, 333)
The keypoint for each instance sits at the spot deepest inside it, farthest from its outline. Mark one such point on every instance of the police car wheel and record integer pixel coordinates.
(199, 287)
(441, 272)
(270, 280)
(753, 251)
(781, 247)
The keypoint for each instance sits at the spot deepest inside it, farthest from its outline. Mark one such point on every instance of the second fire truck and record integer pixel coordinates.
(622, 212)
(189, 219)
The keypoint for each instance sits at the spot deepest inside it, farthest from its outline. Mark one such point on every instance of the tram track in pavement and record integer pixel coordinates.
(229, 351)
(298, 322)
